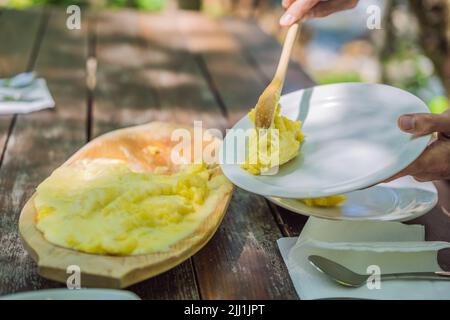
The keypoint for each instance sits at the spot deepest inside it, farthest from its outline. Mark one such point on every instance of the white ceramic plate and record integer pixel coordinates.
(351, 141)
(66, 294)
(400, 200)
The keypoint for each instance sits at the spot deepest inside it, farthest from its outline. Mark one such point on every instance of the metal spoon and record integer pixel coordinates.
(348, 278)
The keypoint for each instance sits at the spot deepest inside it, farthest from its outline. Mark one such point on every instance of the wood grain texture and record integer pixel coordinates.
(290, 223)
(242, 260)
(262, 50)
(107, 271)
(16, 53)
(18, 32)
(182, 90)
(145, 74)
(225, 63)
(122, 96)
(39, 143)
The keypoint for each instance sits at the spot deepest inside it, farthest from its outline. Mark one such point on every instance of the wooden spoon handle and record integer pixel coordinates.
(289, 42)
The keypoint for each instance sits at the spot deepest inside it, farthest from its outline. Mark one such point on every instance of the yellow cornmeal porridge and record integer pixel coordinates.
(262, 146)
(325, 202)
(101, 206)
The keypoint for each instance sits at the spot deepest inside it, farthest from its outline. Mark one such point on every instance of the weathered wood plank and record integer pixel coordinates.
(228, 69)
(16, 52)
(122, 97)
(264, 51)
(18, 32)
(242, 260)
(6, 123)
(183, 92)
(146, 74)
(290, 223)
(39, 143)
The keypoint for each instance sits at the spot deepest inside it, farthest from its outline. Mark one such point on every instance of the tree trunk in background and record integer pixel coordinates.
(189, 4)
(434, 20)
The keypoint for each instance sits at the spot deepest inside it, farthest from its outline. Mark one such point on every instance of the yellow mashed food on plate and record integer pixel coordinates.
(326, 202)
(267, 149)
(101, 206)
(271, 148)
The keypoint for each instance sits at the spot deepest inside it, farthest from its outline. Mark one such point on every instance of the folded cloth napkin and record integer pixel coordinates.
(391, 246)
(33, 97)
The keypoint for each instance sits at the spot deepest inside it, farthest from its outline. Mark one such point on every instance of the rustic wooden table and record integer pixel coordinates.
(142, 67)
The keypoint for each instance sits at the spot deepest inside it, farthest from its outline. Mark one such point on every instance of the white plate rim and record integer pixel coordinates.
(73, 294)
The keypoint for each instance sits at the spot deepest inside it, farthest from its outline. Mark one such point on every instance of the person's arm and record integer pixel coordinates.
(305, 9)
(434, 163)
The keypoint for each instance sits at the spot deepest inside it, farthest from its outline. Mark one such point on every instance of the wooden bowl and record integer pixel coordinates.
(122, 271)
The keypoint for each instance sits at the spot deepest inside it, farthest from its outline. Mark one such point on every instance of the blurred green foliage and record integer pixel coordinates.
(438, 104)
(336, 77)
(149, 5)
(414, 73)
(407, 71)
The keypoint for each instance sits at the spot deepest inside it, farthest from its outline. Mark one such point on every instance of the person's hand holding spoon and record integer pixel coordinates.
(297, 10)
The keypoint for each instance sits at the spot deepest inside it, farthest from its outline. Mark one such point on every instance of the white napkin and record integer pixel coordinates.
(34, 97)
(392, 246)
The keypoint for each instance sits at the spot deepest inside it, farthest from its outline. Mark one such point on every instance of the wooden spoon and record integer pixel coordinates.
(268, 101)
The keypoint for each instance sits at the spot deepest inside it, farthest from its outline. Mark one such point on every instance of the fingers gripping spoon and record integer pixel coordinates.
(268, 101)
